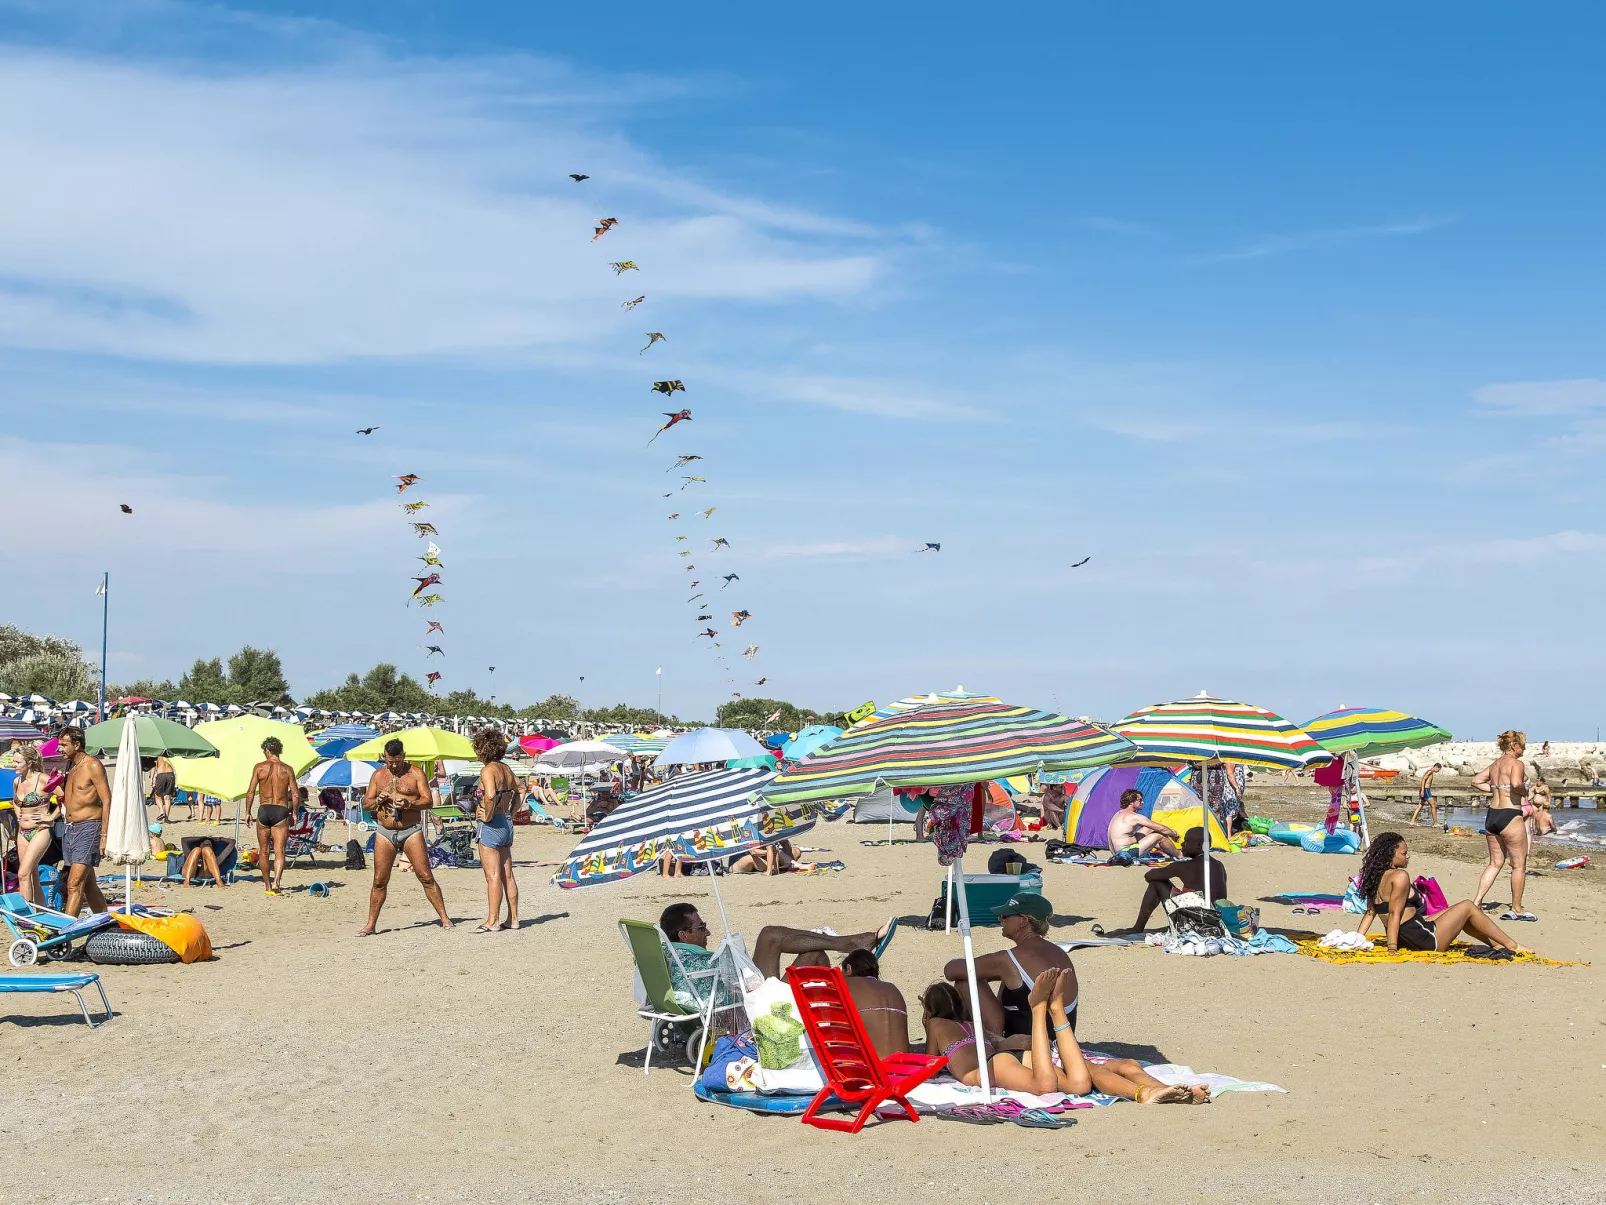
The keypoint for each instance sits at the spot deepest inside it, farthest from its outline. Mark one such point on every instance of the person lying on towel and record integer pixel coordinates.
(1189, 873)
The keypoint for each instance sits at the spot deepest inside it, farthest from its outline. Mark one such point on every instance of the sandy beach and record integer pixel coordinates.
(305, 1064)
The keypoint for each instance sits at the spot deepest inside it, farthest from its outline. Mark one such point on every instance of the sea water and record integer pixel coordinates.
(1574, 826)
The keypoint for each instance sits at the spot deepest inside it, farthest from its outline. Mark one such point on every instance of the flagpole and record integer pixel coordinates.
(660, 673)
(105, 600)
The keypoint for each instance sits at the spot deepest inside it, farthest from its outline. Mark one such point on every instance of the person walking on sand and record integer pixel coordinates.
(162, 787)
(397, 795)
(1425, 798)
(280, 805)
(85, 797)
(499, 794)
(1504, 826)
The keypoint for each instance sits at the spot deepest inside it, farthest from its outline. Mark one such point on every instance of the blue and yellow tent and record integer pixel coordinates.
(1166, 800)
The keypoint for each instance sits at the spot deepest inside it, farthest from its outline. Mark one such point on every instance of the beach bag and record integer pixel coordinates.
(1433, 901)
(354, 858)
(1353, 903)
(1190, 917)
(779, 1036)
(729, 1050)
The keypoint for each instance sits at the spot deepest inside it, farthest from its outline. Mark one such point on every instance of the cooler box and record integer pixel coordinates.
(984, 892)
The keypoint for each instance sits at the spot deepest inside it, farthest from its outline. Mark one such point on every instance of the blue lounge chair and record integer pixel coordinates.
(35, 929)
(61, 983)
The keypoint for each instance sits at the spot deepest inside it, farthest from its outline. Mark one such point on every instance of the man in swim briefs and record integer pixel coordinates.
(1134, 833)
(280, 804)
(397, 795)
(85, 796)
(1425, 797)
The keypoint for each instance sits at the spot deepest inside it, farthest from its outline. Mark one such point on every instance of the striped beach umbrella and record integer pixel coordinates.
(944, 743)
(957, 695)
(16, 730)
(1207, 729)
(695, 817)
(1373, 731)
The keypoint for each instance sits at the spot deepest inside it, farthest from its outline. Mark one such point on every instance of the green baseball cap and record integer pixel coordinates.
(1025, 904)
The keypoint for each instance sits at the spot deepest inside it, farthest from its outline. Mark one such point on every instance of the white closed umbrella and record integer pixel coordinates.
(128, 839)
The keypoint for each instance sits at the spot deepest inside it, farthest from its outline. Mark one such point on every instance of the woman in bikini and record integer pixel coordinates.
(1023, 920)
(1053, 1064)
(1504, 825)
(1390, 897)
(499, 793)
(36, 817)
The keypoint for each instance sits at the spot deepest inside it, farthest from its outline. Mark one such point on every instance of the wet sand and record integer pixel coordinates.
(306, 1064)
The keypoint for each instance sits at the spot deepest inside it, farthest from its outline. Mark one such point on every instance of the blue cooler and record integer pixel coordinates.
(984, 892)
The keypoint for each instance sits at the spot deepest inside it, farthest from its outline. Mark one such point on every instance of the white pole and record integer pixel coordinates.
(948, 903)
(128, 890)
(723, 919)
(970, 975)
(1204, 808)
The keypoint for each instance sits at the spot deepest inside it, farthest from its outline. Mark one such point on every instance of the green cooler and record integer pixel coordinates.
(983, 893)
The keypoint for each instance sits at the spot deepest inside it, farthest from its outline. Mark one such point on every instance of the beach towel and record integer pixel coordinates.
(817, 867)
(1379, 952)
(1306, 899)
(181, 933)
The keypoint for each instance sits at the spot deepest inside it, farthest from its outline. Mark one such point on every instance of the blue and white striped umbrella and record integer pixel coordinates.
(696, 817)
(339, 773)
(19, 730)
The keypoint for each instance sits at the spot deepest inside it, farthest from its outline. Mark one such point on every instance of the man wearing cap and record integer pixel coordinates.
(1189, 873)
(1023, 920)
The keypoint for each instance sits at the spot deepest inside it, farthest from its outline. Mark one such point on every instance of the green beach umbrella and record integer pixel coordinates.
(1373, 731)
(157, 738)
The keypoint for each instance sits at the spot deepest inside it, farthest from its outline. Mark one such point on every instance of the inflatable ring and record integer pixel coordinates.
(119, 947)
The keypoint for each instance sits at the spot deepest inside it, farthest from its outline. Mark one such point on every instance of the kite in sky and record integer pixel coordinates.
(761, 682)
(693, 585)
(429, 600)
(685, 552)
(652, 337)
(930, 548)
(680, 416)
(424, 529)
(434, 579)
(738, 618)
(577, 177)
(682, 460)
(674, 516)
(432, 678)
(125, 508)
(630, 305)
(682, 537)
(689, 568)
(1081, 562)
(729, 578)
(413, 508)
(433, 649)
(689, 480)
(406, 479)
(668, 387)
(366, 430)
(624, 265)
(432, 556)
(709, 632)
(434, 626)
(705, 514)
(694, 597)
(700, 618)
(720, 542)
(750, 651)
(773, 716)
(603, 226)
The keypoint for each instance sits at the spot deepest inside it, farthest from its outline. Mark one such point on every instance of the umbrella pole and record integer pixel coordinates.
(948, 904)
(970, 976)
(719, 900)
(1204, 809)
(128, 889)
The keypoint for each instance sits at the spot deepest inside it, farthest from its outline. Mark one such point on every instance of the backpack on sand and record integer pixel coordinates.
(354, 858)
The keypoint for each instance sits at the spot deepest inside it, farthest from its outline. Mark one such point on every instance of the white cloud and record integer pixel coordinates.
(1584, 395)
(365, 206)
(1477, 555)
(856, 395)
(854, 549)
(1316, 240)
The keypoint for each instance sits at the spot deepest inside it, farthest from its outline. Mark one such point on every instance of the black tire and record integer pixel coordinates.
(121, 948)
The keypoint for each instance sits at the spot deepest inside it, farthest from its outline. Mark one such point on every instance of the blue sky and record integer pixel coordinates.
(1289, 320)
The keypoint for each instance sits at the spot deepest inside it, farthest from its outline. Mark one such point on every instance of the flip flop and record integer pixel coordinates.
(1039, 1119)
(881, 946)
(977, 1115)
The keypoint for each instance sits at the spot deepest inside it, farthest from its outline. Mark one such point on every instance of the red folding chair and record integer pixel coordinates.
(853, 1071)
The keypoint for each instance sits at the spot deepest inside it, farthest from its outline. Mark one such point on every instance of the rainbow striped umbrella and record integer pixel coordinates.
(957, 695)
(950, 742)
(1371, 731)
(1207, 729)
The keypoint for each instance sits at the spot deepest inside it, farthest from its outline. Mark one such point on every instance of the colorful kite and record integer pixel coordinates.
(413, 508)
(406, 480)
(623, 266)
(652, 337)
(738, 618)
(429, 600)
(434, 579)
(603, 226)
(680, 416)
(729, 578)
(674, 516)
(424, 529)
(930, 548)
(750, 651)
(709, 632)
(706, 513)
(668, 387)
(435, 627)
(720, 542)
(681, 461)
(630, 305)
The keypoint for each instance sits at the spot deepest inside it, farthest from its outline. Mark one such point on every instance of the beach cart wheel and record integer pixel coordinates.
(694, 1048)
(23, 953)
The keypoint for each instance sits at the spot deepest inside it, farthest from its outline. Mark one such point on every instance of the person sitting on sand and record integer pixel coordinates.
(881, 1005)
(1189, 873)
(1052, 1063)
(1023, 920)
(1537, 810)
(1133, 833)
(1391, 897)
(769, 859)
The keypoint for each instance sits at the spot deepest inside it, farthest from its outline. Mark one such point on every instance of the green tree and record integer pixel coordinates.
(256, 676)
(144, 688)
(383, 688)
(755, 713)
(48, 665)
(553, 707)
(206, 682)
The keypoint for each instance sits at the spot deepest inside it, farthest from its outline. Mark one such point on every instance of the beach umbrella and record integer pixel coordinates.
(156, 737)
(708, 744)
(16, 730)
(364, 732)
(339, 772)
(427, 745)
(128, 834)
(1207, 730)
(536, 745)
(948, 744)
(39, 701)
(76, 707)
(578, 757)
(1357, 732)
(238, 741)
(808, 740)
(957, 695)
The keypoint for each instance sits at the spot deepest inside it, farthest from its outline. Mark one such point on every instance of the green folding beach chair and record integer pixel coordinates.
(673, 1027)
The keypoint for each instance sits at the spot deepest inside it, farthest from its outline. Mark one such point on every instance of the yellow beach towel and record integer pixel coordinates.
(1455, 954)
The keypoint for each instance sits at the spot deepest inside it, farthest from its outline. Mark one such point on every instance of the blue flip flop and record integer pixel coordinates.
(881, 946)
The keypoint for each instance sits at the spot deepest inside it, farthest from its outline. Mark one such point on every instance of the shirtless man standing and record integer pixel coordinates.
(1131, 830)
(85, 797)
(162, 787)
(1424, 797)
(397, 795)
(280, 804)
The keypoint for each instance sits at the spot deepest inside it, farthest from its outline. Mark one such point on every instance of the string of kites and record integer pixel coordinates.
(698, 599)
(431, 559)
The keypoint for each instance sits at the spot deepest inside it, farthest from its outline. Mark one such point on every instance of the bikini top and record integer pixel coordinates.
(1412, 900)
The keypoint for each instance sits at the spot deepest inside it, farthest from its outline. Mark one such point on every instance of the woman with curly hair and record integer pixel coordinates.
(1505, 825)
(1391, 897)
(499, 794)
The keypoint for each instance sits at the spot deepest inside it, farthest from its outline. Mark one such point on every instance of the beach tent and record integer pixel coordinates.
(884, 806)
(1097, 797)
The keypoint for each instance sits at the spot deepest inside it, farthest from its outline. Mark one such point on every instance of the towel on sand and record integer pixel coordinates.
(1455, 954)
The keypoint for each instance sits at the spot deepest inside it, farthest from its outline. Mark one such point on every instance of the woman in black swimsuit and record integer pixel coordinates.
(1504, 826)
(1391, 897)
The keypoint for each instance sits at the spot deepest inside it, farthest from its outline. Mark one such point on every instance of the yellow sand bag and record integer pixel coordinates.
(181, 933)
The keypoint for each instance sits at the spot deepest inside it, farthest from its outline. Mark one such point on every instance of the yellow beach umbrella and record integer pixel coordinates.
(239, 746)
(427, 745)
